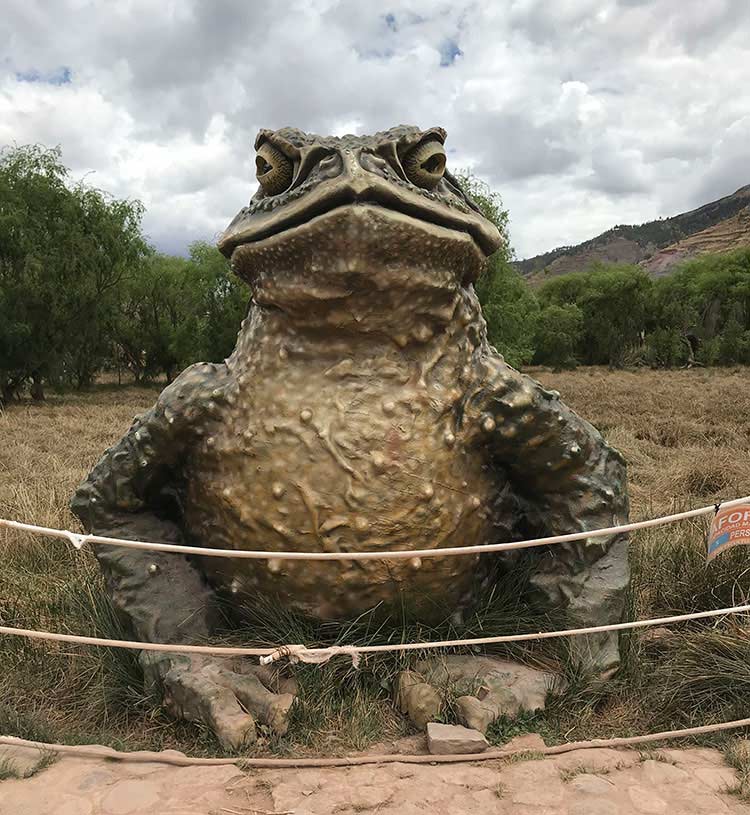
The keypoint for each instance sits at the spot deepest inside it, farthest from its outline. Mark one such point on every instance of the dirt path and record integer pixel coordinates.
(584, 782)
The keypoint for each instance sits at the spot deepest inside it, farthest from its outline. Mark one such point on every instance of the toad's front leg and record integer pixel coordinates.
(162, 596)
(569, 480)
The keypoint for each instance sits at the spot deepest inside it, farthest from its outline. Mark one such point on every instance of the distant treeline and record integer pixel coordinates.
(81, 291)
(617, 315)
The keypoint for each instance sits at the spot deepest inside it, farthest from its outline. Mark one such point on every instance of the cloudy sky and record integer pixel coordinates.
(581, 113)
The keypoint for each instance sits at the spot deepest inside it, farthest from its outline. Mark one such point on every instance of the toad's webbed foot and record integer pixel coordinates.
(484, 689)
(227, 695)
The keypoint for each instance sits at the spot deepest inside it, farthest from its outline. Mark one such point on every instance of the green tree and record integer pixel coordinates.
(667, 347)
(106, 245)
(614, 302)
(508, 304)
(34, 207)
(707, 301)
(151, 316)
(64, 250)
(734, 343)
(615, 309)
(559, 332)
(220, 304)
(174, 311)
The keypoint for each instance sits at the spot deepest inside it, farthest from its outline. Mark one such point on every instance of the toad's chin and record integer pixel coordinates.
(365, 246)
(361, 267)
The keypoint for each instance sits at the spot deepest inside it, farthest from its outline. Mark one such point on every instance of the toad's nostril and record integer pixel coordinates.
(373, 164)
(329, 167)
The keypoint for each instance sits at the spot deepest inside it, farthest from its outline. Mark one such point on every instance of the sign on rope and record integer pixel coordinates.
(730, 527)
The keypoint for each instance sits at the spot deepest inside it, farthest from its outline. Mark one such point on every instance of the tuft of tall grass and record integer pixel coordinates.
(9, 769)
(737, 755)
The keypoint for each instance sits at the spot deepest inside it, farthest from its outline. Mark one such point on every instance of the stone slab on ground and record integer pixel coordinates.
(453, 739)
(582, 782)
(527, 743)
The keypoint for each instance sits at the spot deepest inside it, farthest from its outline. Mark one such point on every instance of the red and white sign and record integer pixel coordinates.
(730, 527)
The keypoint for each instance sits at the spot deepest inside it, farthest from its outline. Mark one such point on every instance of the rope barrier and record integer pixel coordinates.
(79, 540)
(297, 653)
(318, 656)
(175, 758)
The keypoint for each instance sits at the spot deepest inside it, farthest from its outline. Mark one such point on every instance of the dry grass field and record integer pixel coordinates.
(685, 434)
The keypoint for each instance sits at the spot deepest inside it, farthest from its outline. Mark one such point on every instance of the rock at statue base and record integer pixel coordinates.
(492, 687)
(453, 739)
(417, 699)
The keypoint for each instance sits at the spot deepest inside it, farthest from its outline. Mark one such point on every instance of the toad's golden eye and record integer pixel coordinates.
(424, 164)
(273, 169)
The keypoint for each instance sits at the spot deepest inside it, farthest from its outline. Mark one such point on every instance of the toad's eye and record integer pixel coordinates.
(273, 169)
(424, 164)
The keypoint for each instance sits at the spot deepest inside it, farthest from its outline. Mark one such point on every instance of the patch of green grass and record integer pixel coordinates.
(46, 759)
(524, 755)
(502, 730)
(737, 755)
(654, 755)
(703, 675)
(567, 774)
(8, 769)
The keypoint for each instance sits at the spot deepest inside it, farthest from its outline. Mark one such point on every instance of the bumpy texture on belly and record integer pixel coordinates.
(342, 466)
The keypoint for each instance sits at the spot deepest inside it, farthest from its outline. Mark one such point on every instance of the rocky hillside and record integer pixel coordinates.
(657, 245)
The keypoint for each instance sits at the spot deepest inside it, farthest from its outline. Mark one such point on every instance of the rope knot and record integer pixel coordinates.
(77, 540)
(312, 656)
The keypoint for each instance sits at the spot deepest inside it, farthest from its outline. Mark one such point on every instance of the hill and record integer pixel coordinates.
(658, 245)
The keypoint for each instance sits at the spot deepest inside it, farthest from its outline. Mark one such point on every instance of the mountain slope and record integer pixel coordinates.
(731, 233)
(657, 245)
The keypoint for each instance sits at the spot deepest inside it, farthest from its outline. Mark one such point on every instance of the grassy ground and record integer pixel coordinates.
(686, 435)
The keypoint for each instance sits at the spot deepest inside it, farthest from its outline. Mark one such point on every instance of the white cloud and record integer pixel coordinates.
(581, 113)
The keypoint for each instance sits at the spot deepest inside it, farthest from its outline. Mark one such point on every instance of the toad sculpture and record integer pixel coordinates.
(361, 410)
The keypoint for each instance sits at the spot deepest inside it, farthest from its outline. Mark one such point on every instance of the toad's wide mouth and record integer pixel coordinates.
(260, 225)
(362, 231)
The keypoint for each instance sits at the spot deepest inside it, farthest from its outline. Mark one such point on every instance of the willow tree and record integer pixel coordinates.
(64, 250)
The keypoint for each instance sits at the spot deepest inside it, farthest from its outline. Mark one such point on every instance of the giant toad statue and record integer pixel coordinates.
(361, 410)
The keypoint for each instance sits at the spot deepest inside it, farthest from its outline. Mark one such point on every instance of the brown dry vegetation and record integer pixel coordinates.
(685, 434)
